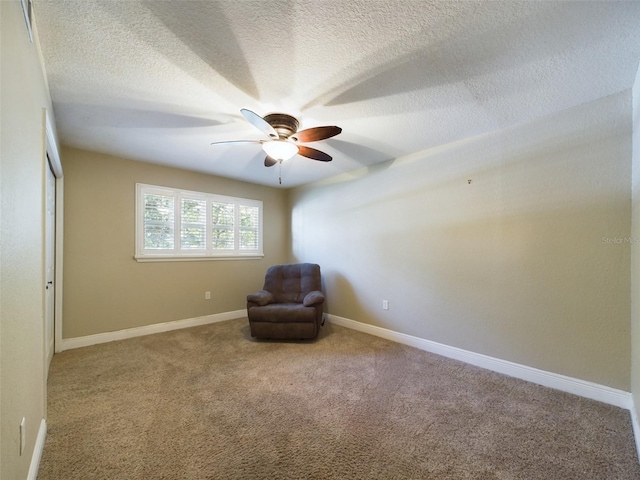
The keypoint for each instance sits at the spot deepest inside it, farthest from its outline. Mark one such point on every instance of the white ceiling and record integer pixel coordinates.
(158, 81)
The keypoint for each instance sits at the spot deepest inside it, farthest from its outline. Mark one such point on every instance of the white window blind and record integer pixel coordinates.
(159, 220)
(174, 224)
(249, 231)
(193, 227)
(223, 216)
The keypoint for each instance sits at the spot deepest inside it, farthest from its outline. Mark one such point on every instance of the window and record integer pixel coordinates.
(174, 224)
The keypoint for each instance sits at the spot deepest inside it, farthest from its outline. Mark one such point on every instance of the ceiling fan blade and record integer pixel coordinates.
(259, 122)
(316, 133)
(313, 154)
(237, 142)
(269, 162)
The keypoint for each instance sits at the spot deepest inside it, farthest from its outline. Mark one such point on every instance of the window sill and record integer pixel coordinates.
(194, 258)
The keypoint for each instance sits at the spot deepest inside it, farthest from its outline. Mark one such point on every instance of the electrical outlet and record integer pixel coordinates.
(23, 434)
(385, 304)
(207, 295)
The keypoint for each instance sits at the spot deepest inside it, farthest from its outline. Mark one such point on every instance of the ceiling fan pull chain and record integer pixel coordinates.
(280, 172)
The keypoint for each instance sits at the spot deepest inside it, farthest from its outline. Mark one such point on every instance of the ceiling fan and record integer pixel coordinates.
(282, 130)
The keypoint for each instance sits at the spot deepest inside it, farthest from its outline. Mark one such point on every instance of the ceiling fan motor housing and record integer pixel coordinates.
(284, 124)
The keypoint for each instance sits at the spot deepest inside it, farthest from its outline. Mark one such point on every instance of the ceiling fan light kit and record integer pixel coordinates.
(280, 150)
(282, 130)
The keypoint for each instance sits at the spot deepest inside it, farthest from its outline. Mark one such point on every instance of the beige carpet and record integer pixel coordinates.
(211, 403)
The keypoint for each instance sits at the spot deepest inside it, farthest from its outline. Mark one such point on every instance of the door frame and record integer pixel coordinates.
(49, 259)
(52, 156)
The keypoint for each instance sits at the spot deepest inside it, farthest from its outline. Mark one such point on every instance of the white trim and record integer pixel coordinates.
(78, 342)
(34, 466)
(635, 421)
(192, 258)
(57, 322)
(593, 391)
(52, 146)
(53, 153)
(27, 10)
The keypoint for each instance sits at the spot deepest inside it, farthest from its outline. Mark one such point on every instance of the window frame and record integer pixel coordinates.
(177, 253)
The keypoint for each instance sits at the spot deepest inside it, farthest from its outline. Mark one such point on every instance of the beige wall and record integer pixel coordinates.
(514, 265)
(106, 290)
(23, 97)
(635, 263)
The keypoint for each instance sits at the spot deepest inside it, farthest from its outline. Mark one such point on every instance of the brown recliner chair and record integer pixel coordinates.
(290, 303)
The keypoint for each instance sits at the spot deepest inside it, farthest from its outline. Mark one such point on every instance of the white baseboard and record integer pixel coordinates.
(635, 421)
(594, 391)
(34, 466)
(78, 342)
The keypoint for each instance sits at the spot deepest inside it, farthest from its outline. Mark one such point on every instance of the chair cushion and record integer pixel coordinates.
(290, 283)
(282, 313)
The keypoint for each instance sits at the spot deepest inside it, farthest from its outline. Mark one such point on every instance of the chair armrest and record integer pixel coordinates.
(261, 298)
(313, 298)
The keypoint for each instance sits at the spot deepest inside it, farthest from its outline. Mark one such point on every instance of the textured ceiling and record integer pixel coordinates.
(158, 81)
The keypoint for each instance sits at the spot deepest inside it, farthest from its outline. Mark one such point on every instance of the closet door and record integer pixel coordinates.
(50, 265)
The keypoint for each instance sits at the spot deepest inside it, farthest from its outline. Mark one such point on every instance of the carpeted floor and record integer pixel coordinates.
(212, 403)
